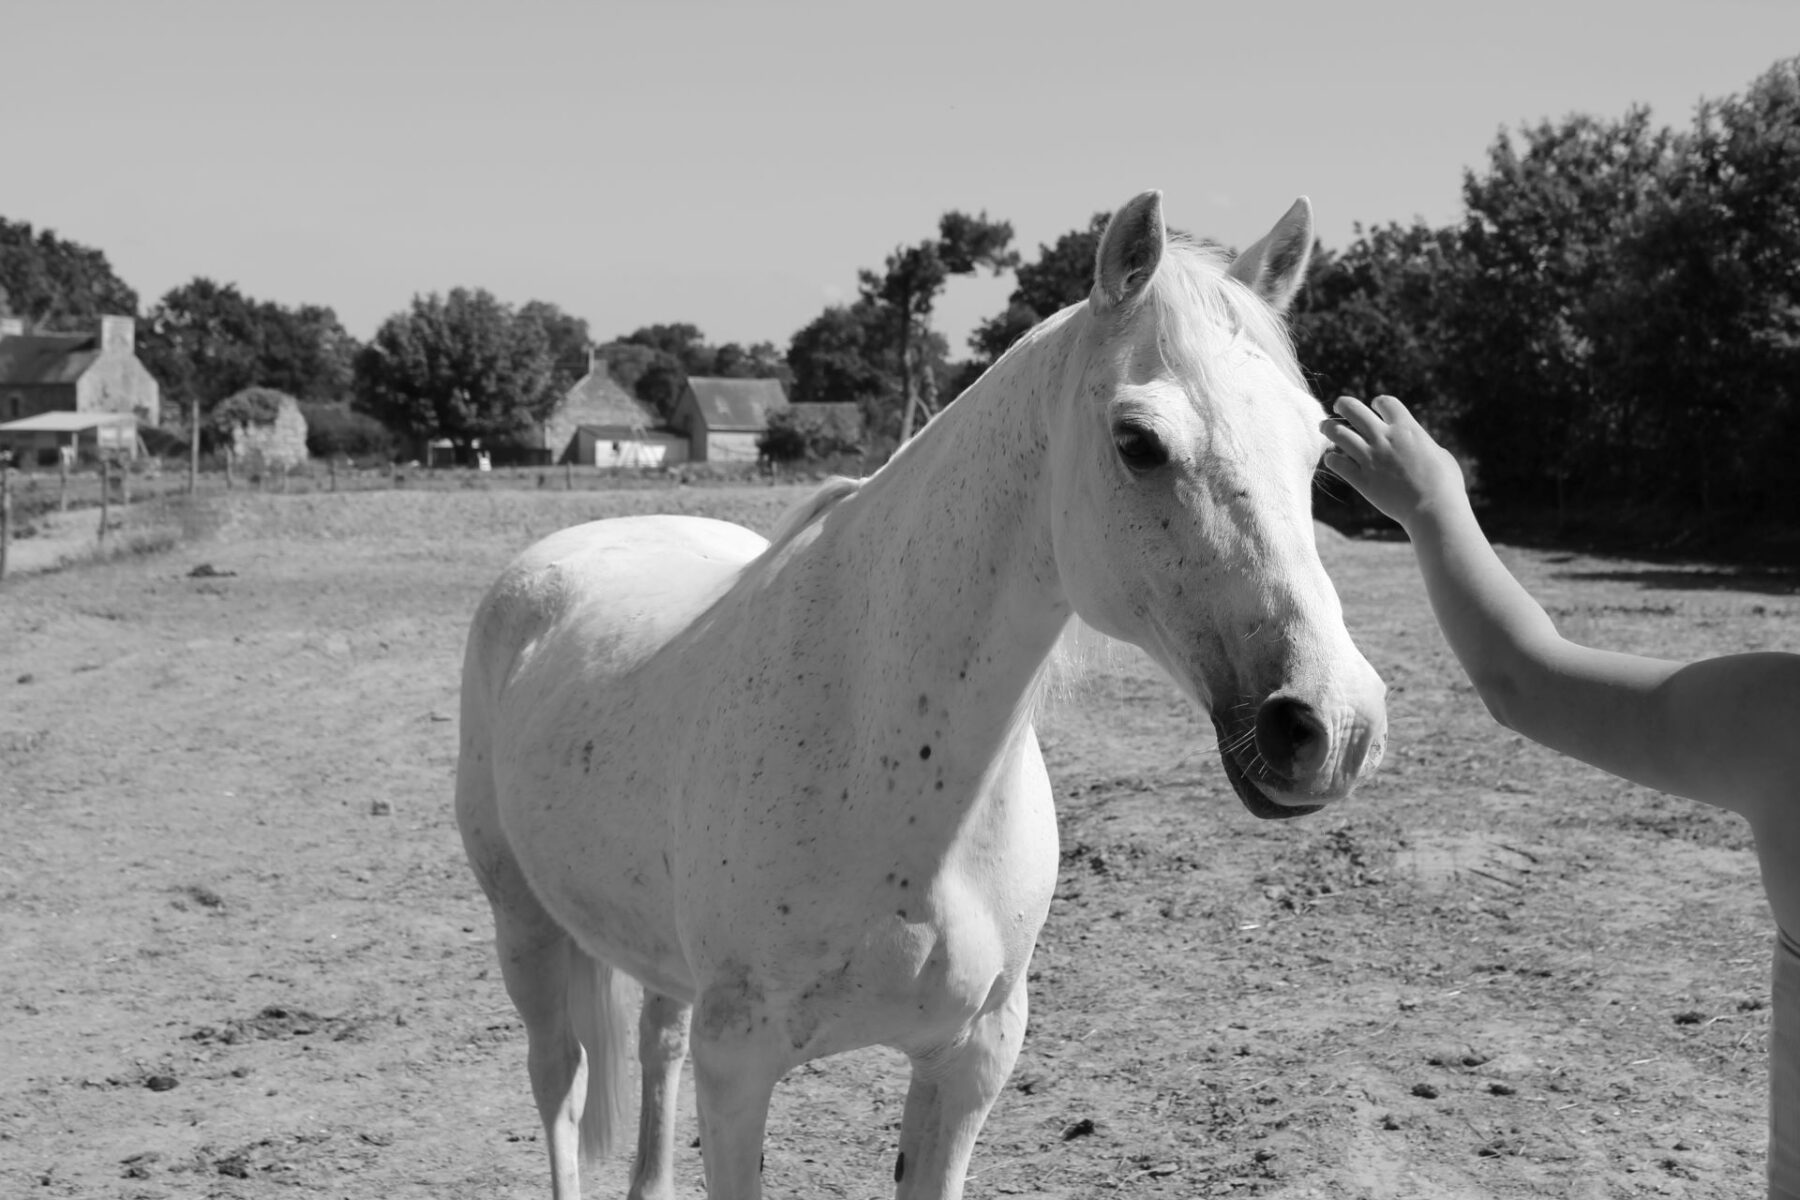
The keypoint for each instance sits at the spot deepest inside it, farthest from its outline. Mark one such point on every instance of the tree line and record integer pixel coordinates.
(1612, 323)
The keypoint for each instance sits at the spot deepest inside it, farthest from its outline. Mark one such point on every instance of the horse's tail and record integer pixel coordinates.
(600, 1009)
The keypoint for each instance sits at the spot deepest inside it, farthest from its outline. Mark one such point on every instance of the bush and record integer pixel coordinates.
(337, 431)
(792, 436)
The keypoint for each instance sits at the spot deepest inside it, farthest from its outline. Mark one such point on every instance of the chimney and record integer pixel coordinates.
(118, 334)
(12, 326)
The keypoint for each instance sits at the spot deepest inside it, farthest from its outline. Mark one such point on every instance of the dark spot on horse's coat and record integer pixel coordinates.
(924, 704)
(938, 786)
(924, 751)
(587, 757)
(667, 870)
(901, 913)
(1165, 522)
(782, 909)
(906, 883)
(900, 1167)
(846, 796)
(890, 878)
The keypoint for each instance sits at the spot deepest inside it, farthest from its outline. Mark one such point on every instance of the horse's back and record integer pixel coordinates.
(620, 586)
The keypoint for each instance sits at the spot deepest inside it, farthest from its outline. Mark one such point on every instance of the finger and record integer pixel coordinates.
(1344, 467)
(1346, 440)
(1361, 418)
(1390, 410)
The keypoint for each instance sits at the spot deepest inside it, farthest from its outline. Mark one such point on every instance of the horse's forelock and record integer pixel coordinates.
(1199, 309)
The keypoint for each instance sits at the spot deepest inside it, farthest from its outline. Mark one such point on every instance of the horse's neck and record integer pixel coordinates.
(946, 559)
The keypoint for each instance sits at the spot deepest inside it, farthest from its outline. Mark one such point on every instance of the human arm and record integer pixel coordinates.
(1724, 730)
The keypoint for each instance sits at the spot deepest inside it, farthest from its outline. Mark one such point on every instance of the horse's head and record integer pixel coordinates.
(1183, 448)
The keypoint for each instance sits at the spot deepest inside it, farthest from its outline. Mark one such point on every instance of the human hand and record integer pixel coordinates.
(1380, 450)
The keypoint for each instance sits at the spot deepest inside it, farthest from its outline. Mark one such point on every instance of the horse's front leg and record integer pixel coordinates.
(953, 1087)
(662, 1045)
(738, 1058)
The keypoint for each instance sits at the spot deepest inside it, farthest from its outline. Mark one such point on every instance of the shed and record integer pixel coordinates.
(39, 441)
(722, 418)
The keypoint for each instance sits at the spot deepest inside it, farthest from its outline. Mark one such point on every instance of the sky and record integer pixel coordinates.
(732, 165)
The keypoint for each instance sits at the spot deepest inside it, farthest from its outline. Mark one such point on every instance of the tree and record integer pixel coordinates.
(653, 376)
(461, 366)
(1710, 325)
(846, 355)
(907, 291)
(55, 284)
(1369, 320)
(1062, 275)
(567, 338)
(792, 437)
(1534, 318)
(205, 341)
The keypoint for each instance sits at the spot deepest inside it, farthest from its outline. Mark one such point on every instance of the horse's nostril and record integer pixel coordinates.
(1291, 737)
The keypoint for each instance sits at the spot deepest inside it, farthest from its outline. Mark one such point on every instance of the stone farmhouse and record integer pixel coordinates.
(600, 424)
(73, 394)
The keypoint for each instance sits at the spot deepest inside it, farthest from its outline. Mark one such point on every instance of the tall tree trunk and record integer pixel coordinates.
(908, 386)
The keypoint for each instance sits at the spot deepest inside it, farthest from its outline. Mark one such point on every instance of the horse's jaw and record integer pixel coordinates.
(1254, 799)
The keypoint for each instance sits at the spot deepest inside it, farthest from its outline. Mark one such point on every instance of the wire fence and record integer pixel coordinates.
(31, 499)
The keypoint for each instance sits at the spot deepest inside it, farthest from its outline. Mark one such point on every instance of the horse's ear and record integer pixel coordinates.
(1130, 249)
(1275, 267)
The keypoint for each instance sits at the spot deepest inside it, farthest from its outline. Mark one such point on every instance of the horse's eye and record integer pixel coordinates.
(1140, 448)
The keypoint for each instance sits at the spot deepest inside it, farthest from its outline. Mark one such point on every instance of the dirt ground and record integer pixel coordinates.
(241, 954)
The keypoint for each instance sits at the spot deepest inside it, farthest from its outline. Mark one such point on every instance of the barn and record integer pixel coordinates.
(722, 418)
(599, 424)
(73, 390)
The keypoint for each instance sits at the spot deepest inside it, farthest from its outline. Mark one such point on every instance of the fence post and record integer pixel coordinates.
(105, 497)
(62, 480)
(229, 455)
(124, 486)
(194, 446)
(5, 512)
(568, 475)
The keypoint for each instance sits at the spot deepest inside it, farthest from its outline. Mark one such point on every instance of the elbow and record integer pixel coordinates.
(1501, 694)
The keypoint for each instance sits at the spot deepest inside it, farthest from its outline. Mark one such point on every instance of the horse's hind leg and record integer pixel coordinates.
(952, 1090)
(662, 1045)
(536, 959)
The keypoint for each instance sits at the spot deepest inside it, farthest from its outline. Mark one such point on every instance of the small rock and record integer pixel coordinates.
(1081, 1128)
(27, 677)
(381, 808)
(1388, 1121)
(1425, 1091)
(1501, 1089)
(1690, 1017)
(160, 1083)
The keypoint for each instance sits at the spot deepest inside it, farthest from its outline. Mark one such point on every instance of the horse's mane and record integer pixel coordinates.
(1200, 310)
(811, 511)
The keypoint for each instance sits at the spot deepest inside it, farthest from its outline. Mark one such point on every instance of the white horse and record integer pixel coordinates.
(792, 787)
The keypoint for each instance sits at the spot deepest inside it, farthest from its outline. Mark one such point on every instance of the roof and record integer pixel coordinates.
(597, 400)
(66, 422)
(46, 357)
(737, 404)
